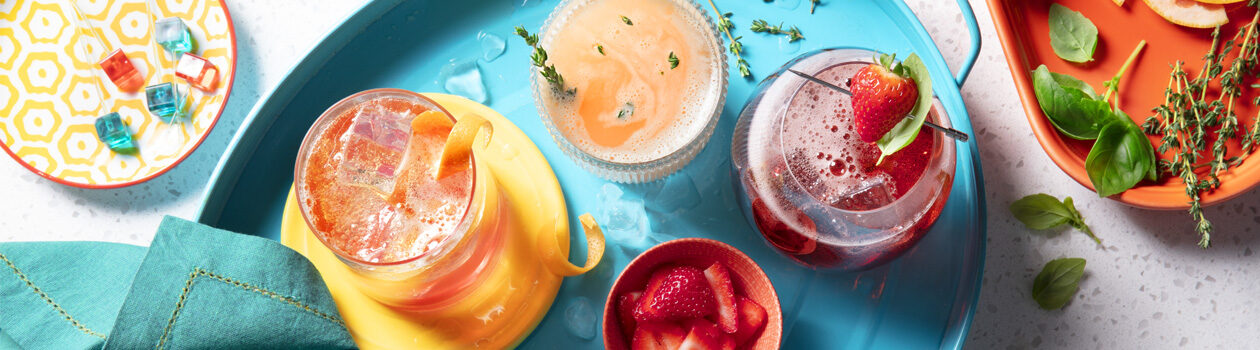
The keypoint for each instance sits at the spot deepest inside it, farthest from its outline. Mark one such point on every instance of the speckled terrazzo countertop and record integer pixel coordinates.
(1149, 288)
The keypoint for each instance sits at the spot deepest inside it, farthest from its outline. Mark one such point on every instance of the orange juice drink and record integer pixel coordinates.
(643, 84)
(367, 185)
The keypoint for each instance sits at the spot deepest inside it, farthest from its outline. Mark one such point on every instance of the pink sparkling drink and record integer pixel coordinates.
(815, 191)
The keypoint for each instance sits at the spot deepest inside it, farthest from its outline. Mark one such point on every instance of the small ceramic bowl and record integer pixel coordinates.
(748, 279)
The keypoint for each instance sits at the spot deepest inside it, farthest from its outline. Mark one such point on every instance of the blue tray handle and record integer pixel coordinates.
(970, 17)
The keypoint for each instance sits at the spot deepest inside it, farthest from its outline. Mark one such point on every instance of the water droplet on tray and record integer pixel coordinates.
(787, 46)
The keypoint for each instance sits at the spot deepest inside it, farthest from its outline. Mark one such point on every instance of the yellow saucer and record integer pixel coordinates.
(519, 290)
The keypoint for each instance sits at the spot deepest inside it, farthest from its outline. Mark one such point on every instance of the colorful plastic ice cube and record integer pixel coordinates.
(173, 35)
(199, 72)
(120, 70)
(162, 100)
(112, 131)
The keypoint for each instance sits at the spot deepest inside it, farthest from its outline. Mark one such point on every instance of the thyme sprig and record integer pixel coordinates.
(673, 60)
(724, 23)
(761, 26)
(1188, 114)
(539, 59)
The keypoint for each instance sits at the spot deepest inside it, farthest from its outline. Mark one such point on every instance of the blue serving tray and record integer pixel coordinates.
(925, 299)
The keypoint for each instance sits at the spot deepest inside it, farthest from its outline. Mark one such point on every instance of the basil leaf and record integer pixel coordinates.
(1072, 36)
(1070, 82)
(1057, 282)
(1075, 112)
(1041, 211)
(907, 129)
(1121, 157)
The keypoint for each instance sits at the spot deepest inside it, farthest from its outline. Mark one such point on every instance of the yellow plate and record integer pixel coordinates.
(491, 318)
(49, 104)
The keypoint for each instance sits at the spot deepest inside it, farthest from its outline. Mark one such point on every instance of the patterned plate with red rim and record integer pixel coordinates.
(53, 90)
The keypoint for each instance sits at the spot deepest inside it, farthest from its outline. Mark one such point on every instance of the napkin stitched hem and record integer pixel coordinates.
(198, 272)
(47, 299)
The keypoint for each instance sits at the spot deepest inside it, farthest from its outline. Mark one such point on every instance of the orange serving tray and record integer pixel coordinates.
(1023, 29)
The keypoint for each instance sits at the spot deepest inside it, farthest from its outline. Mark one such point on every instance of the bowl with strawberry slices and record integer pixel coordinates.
(692, 293)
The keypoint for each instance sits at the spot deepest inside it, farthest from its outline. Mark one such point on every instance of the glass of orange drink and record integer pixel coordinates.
(368, 184)
(644, 82)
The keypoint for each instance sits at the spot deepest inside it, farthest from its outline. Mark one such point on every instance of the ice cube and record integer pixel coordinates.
(198, 71)
(463, 77)
(870, 194)
(609, 193)
(173, 35)
(120, 71)
(679, 192)
(492, 46)
(579, 318)
(373, 147)
(162, 100)
(111, 129)
(623, 219)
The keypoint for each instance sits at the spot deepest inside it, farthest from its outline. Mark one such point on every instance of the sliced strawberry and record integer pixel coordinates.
(720, 280)
(674, 294)
(752, 317)
(881, 98)
(653, 335)
(704, 335)
(644, 339)
(728, 342)
(625, 311)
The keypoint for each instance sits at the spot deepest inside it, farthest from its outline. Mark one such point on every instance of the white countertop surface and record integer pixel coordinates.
(1151, 287)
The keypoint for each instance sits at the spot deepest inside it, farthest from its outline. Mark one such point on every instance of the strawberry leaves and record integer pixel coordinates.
(907, 129)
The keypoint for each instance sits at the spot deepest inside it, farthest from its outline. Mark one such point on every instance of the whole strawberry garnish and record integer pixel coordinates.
(883, 94)
(675, 293)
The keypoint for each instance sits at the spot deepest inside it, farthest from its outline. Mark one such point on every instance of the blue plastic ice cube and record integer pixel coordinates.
(162, 100)
(173, 35)
(111, 129)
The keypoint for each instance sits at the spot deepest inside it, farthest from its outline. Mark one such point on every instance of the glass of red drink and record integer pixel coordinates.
(364, 183)
(814, 190)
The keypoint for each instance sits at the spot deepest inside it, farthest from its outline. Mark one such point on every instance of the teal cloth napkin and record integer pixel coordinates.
(194, 287)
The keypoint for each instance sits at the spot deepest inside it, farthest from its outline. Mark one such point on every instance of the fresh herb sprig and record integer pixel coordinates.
(539, 59)
(627, 20)
(761, 26)
(1121, 156)
(737, 49)
(673, 60)
(1042, 212)
(1189, 114)
(1072, 36)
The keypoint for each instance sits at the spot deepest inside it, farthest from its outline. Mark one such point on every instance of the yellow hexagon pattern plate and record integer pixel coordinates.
(49, 104)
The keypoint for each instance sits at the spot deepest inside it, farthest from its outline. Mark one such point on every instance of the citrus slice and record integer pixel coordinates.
(1222, 2)
(458, 149)
(431, 122)
(553, 248)
(1190, 13)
